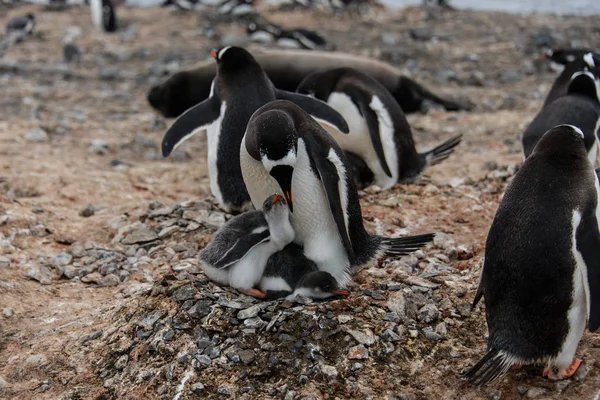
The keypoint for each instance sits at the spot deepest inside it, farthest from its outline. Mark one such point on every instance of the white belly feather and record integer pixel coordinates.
(213, 134)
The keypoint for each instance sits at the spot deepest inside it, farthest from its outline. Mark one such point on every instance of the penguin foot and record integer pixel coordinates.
(253, 292)
(562, 374)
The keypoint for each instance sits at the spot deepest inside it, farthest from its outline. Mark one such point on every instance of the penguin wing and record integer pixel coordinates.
(317, 109)
(195, 119)
(242, 247)
(332, 183)
(587, 238)
(375, 122)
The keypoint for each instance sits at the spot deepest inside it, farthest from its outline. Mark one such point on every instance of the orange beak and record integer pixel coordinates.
(276, 198)
(214, 53)
(341, 292)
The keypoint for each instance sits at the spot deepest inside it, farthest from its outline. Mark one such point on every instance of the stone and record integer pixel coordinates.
(365, 337)
(168, 231)
(144, 141)
(254, 323)
(61, 259)
(464, 309)
(535, 392)
(2, 382)
(41, 274)
(87, 211)
(428, 313)
(390, 336)
(359, 352)
(99, 146)
(248, 312)
(396, 303)
(36, 359)
(203, 360)
(7, 312)
(197, 387)
(247, 356)
(142, 235)
(4, 261)
(122, 362)
(184, 293)
(109, 280)
(431, 335)
(94, 277)
(330, 371)
(36, 135)
(511, 76)
(70, 272)
(200, 309)
(148, 322)
(421, 282)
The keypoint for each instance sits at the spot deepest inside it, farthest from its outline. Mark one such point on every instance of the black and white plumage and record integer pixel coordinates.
(561, 57)
(104, 15)
(289, 273)
(380, 135)
(182, 4)
(575, 100)
(541, 274)
(268, 32)
(238, 252)
(24, 25)
(239, 89)
(284, 150)
(236, 7)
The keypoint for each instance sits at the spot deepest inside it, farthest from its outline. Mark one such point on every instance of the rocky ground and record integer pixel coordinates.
(100, 289)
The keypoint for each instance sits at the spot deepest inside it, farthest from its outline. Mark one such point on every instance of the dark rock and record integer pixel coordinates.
(247, 356)
(87, 211)
(359, 352)
(184, 293)
(428, 313)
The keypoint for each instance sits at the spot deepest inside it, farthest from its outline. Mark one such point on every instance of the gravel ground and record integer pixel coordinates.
(100, 289)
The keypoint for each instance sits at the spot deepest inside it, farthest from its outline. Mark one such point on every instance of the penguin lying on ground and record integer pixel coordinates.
(379, 132)
(286, 69)
(296, 38)
(579, 105)
(284, 150)
(541, 274)
(289, 273)
(239, 89)
(238, 252)
(21, 25)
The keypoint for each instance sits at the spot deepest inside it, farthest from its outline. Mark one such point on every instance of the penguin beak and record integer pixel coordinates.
(276, 199)
(341, 292)
(288, 198)
(214, 53)
(283, 175)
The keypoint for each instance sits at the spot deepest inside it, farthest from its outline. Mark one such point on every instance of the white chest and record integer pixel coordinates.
(213, 136)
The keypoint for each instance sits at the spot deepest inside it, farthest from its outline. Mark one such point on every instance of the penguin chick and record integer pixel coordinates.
(238, 252)
(289, 273)
(379, 132)
(24, 25)
(284, 150)
(541, 273)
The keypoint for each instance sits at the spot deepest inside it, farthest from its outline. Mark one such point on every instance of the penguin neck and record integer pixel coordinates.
(281, 231)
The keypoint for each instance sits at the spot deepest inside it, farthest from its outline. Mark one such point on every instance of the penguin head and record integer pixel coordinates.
(275, 208)
(586, 79)
(232, 58)
(30, 16)
(559, 56)
(319, 285)
(563, 144)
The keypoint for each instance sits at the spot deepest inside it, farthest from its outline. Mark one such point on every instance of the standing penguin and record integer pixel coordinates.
(289, 273)
(560, 85)
(541, 275)
(379, 132)
(104, 15)
(239, 89)
(238, 252)
(579, 106)
(24, 25)
(562, 57)
(284, 150)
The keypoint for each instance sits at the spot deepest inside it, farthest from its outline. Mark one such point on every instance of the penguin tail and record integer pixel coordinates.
(405, 245)
(441, 152)
(491, 367)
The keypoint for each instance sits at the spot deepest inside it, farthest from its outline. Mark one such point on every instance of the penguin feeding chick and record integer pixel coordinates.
(238, 252)
(104, 15)
(380, 135)
(579, 105)
(289, 274)
(284, 150)
(239, 89)
(541, 274)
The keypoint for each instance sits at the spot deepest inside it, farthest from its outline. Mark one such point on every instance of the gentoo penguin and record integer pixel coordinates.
(235, 7)
(289, 273)
(286, 69)
(263, 32)
(379, 132)
(238, 252)
(240, 88)
(562, 82)
(24, 25)
(284, 150)
(295, 38)
(564, 56)
(541, 274)
(182, 4)
(579, 106)
(104, 15)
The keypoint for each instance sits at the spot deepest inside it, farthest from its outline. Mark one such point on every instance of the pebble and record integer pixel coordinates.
(40, 274)
(94, 277)
(87, 211)
(7, 312)
(197, 387)
(330, 371)
(421, 282)
(511, 76)
(535, 392)
(109, 280)
(441, 329)
(249, 312)
(343, 318)
(70, 272)
(363, 337)
(122, 362)
(359, 352)
(2, 382)
(464, 309)
(428, 313)
(431, 335)
(61, 259)
(247, 356)
(203, 360)
(397, 303)
(99, 146)
(4, 261)
(142, 235)
(148, 322)
(254, 323)
(36, 135)
(144, 141)
(390, 336)
(184, 293)
(168, 231)
(37, 359)
(225, 390)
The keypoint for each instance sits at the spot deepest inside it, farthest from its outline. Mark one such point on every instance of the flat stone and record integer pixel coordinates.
(94, 277)
(365, 337)
(61, 259)
(343, 318)
(428, 313)
(36, 359)
(36, 135)
(330, 371)
(248, 312)
(247, 356)
(7, 312)
(203, 360)
(390, 336)
(464, 309)
(397, 303)
(359, 352)
(70, 272)
(87, 211)
(184, 293)
(254, 323)
(168, 231)
(142, 235)
(109, 280)
(422, 282)
(148, 322)
(99, 146)
(42, 275)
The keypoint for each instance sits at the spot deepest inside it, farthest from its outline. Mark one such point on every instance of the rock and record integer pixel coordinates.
(441, 329)
(2, 382)
(144, 141)
(343, 318)
(431, 335)
(92, 336)
(396, 303)
(203, 360)
(197, 387)
(464, 309)
(148, 322)
(142, 235)
(367, 337)
(36, 135)
(7, 312)
(535, 392)
(421, 34)
(184, 293)
(389, 39)
(428, 313)
(390, 336)
(446, 75)
(249, 312)
(87, 211)
(40, 274)
(4, 261)
(61, 259)
(109, 280)
(121, 363)
(94, 277)
(254, 323)
(418, 281)
(359, 352)
(329, 371)
(168, 231)
(70, 272)
(99, 146)
(247, 356)
(36, 360)
(200, 309)
(511, 76)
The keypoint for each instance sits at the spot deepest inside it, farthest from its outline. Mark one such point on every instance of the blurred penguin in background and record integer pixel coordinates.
(104, 15)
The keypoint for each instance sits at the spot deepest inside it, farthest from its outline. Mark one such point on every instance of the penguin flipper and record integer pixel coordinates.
(317, 109)
(242, 247)
(587, 238)
(195, 119)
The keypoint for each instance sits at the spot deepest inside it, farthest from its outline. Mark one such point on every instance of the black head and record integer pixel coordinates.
(232, 58)
(30, 16)
(586, 79)
(563, 56)
(562, 144)
(320, 285)
(321, 84)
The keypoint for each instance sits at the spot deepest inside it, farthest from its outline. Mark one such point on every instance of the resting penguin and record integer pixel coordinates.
(286, 69)
(289, 273)
(579, 106)
(541, 274)
(239, 89)
(24, 25)
(238, 252)
(284, 150)
(379, 132)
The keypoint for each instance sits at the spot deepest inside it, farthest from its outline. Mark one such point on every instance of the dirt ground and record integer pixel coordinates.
(101, 147)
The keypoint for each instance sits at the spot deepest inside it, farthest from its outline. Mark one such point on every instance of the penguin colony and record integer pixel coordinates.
(291, 163)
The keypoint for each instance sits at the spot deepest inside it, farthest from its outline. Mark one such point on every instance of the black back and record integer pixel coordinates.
(290, 264)
(109, 16)
(561, 84)
(528, 270)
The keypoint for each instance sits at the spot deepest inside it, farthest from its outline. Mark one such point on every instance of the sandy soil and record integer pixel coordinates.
(50, 181)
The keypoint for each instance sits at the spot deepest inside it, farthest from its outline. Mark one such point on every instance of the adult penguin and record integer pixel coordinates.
(286, 151)
(239, 89)
(541, 274)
